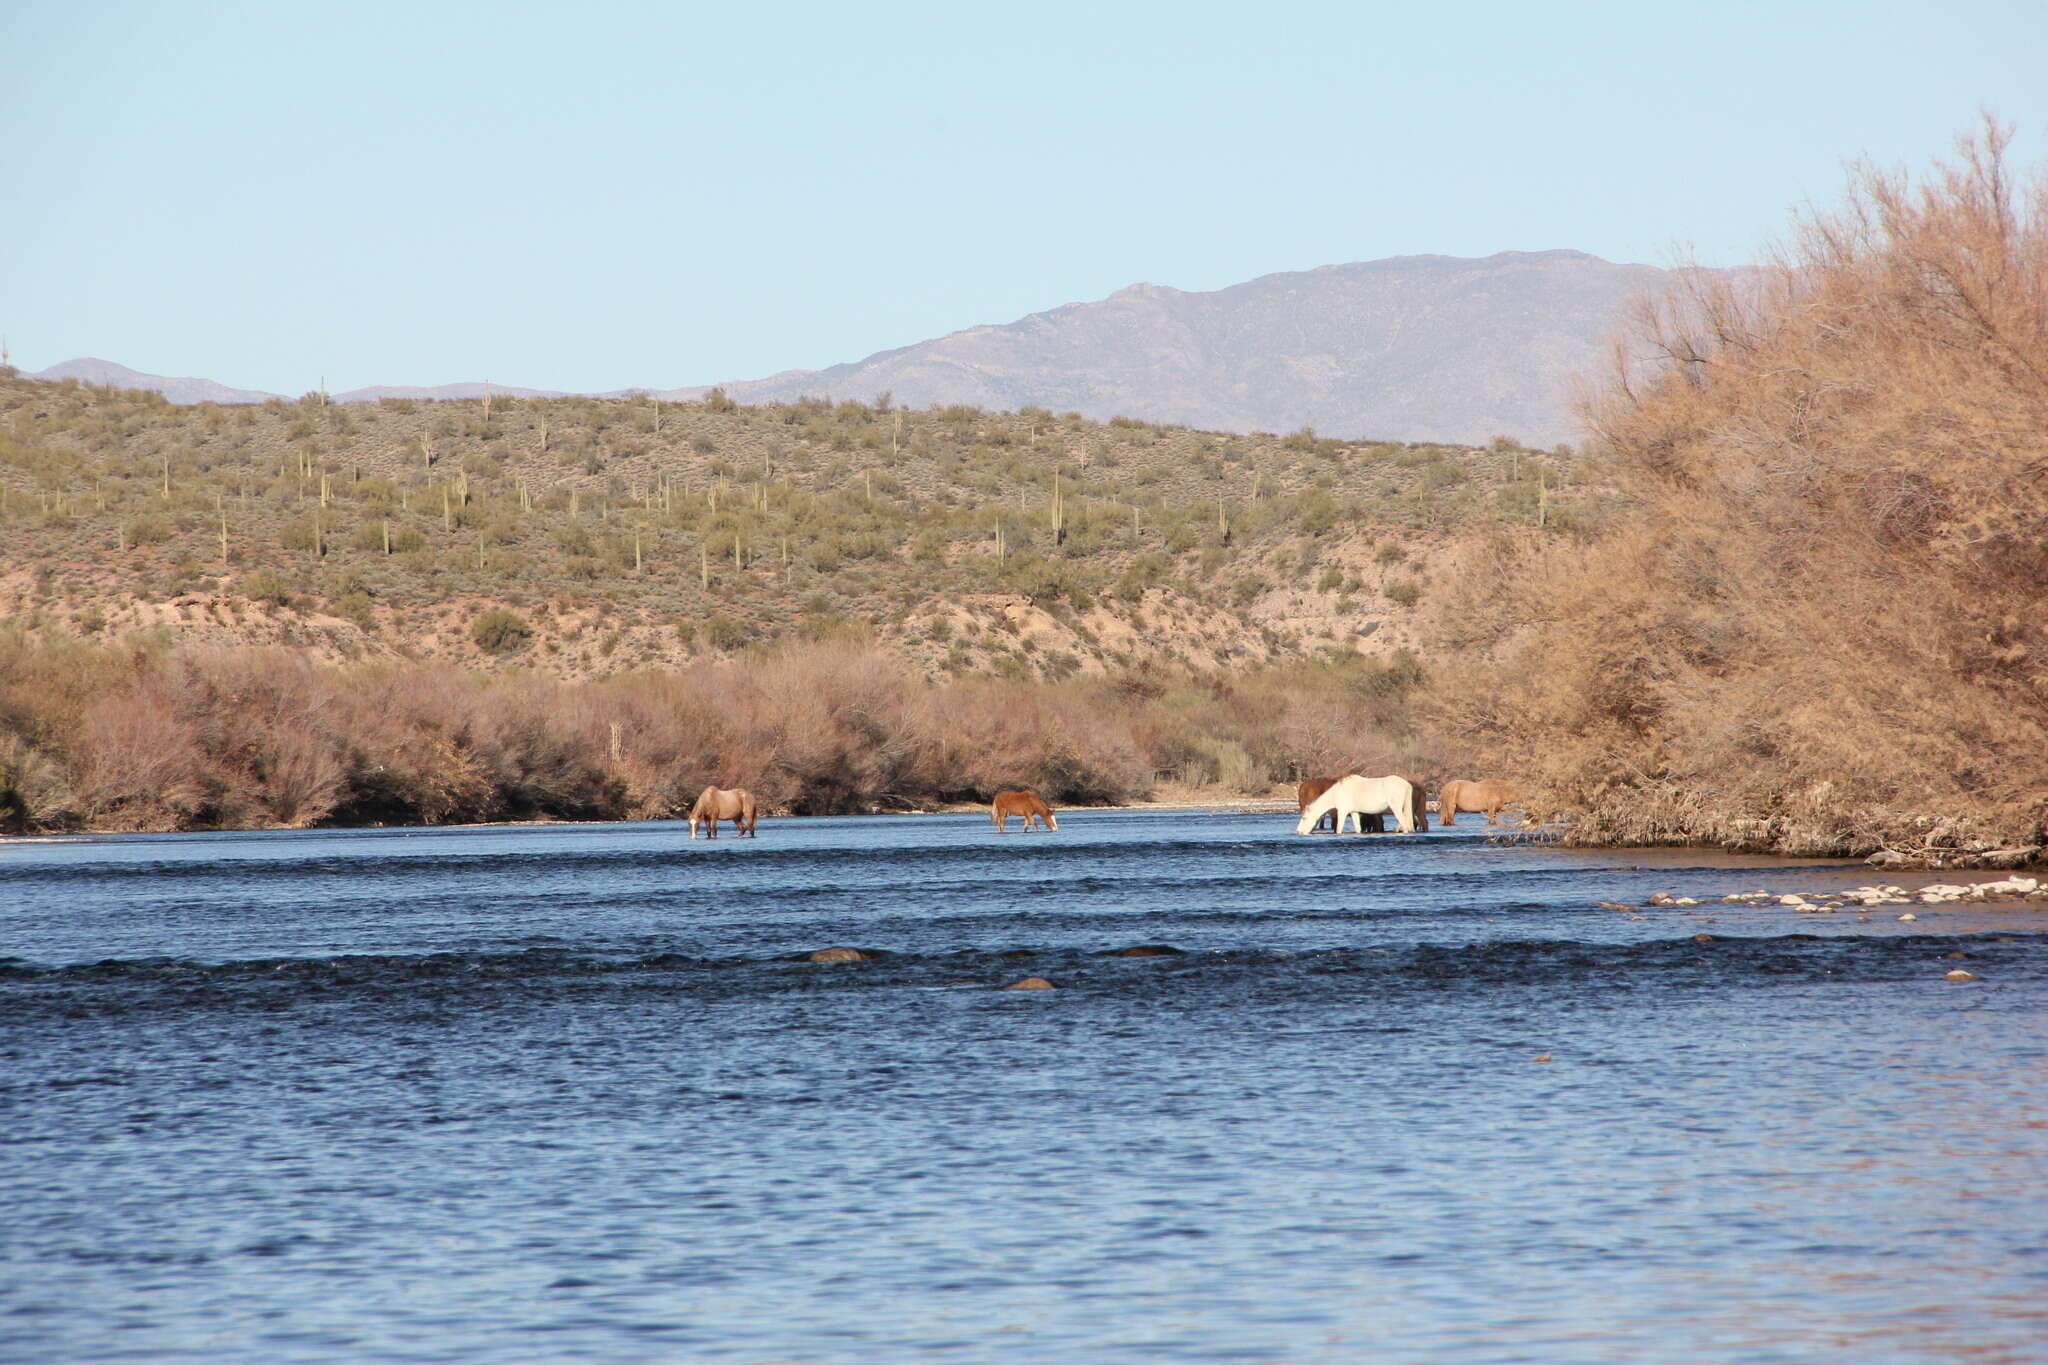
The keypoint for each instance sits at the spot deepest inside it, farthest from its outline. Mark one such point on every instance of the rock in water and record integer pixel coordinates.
(1151, 950)
(1030, 983)
(1960, 975)
(839, 955)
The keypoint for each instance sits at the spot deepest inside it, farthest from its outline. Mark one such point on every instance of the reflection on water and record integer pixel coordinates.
(574, 1093)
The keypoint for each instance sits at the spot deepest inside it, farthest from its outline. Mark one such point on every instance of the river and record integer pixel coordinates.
(577, 1093)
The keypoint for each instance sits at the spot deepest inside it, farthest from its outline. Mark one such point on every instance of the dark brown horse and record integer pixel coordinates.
(1421, 807)
(716, 803)
(1024, 803)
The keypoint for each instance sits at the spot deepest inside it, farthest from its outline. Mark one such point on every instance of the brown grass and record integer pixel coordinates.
(118, 737)
(1815, 623)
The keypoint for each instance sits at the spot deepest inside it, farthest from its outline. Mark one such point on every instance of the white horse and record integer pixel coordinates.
(1356, 796)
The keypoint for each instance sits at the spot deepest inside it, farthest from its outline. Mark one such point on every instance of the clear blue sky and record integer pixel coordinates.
(607, 194)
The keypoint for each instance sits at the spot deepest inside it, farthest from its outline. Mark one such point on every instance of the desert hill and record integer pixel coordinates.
(633, 532)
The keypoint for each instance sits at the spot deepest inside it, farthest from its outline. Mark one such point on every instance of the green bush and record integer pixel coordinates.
(265, 586)
(147, 530)
(726, 633)
(498, 631)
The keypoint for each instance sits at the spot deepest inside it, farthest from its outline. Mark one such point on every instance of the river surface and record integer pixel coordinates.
(577, 1093)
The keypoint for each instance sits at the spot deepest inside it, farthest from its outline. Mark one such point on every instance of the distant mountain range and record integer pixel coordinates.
(88, 370)
(1409, 348)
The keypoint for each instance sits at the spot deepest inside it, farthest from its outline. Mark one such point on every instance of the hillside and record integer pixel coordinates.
(630, 532)
(1410, 348)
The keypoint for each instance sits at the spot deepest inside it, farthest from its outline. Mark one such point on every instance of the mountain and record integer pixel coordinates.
(1416, 348)
(1409, 348)
(89, 370)
(440, 392)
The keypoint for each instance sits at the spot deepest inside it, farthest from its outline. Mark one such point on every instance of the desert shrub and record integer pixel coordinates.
(725, 632)
(1812, 621)
(146, 530)
(355, 606)
(498, 631)
(265, 585)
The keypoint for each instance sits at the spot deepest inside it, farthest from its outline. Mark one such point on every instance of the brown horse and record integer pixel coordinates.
(1026, 804)
(715, 803)
(1421, 807)
(1481, 798)
(1314, 787)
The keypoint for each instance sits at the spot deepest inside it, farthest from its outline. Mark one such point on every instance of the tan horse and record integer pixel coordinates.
(1026, 804)
(1481, 798)
(716, 803)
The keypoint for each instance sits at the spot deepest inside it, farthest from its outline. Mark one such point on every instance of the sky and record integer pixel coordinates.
(604, 195)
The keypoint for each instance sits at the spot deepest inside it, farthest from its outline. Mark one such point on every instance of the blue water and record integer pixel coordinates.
(576, 1093)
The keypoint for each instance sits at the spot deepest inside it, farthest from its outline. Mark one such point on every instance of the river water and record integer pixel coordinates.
(576, 1093)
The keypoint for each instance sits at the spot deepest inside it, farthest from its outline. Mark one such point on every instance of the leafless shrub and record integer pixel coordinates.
(1816, 625)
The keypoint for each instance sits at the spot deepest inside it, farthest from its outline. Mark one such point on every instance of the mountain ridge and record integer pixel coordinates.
(1416, 347)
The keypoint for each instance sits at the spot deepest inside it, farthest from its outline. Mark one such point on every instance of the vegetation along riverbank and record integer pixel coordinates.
(1787, 598)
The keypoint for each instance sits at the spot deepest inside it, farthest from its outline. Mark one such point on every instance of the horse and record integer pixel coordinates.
(1313, 787)
(1481, 798)
(716, 803)
(1421, 806)
(1361, 796)
(1024, 803)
